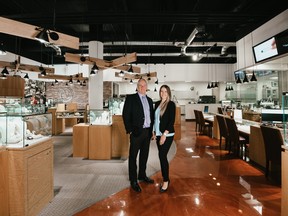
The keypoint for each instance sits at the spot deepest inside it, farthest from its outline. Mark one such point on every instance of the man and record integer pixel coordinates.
(138, 120)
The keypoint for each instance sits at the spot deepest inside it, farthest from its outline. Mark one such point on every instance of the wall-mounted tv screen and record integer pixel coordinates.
(272, 47)
(265, 50)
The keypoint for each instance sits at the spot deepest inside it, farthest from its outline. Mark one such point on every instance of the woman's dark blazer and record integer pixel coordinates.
(168, 118)
(133, 114)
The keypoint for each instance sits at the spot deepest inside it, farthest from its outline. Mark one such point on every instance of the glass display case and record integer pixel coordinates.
(100, 117)
(23, 130)
(285, 117)
(22, 106)
(116, 105)
(22, 124)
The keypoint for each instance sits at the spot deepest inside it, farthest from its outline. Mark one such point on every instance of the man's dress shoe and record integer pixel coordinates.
(135, 186)
(147, 180)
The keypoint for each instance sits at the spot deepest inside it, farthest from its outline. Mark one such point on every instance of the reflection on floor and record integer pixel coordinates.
(204, 181)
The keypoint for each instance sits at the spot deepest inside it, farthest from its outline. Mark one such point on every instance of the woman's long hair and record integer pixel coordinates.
(163, 105)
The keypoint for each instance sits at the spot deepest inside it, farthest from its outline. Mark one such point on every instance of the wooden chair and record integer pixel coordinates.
(196, 120)
(235, 139)
(203, 125)
(223, 130)
(220, 110)
(272, 141)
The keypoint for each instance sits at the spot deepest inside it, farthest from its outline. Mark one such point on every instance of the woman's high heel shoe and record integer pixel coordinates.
(164, 190)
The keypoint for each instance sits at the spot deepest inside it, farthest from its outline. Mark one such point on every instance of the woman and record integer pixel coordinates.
(164, 131)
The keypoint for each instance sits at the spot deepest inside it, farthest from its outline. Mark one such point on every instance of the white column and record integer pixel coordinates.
(96, 82)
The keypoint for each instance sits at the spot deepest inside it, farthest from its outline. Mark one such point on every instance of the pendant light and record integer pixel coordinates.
(245, 80)
(253, 78)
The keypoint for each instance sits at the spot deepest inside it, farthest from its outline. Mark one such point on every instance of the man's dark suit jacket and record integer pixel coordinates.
(133, 114)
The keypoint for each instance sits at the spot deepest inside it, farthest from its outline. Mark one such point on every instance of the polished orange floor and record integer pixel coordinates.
(204, 181)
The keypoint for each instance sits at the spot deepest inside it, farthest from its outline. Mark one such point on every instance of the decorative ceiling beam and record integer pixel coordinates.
(24, 67)
(19, 29)
(136, 76)
(118, 63)
(63, 77)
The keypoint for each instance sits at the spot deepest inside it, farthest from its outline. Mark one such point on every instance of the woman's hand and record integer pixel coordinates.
(153, 136)
(162, 139)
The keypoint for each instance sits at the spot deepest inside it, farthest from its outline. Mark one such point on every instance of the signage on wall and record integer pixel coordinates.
(274, 46)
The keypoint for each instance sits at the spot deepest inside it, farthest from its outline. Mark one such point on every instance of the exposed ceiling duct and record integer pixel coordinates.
(188, 41)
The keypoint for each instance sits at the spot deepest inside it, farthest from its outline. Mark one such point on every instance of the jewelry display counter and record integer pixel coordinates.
(284, 181)
(25, 139)
(30, 176)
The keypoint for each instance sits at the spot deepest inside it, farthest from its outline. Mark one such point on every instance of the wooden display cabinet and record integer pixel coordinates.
(177, 123)
(4, 184)
(80, 140)
(100, 142)
(30, 175)
(120, 139)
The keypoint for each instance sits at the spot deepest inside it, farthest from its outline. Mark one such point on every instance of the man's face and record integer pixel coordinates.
(142, 87)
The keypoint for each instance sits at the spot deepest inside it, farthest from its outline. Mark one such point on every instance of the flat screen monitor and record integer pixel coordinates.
(265, 50)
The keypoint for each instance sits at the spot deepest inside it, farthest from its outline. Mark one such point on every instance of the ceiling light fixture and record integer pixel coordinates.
(156, 82)
(5, 71)
(42, 36)
(131, 82)
(94, 69)
(2, 50)
(56, 82)
(245, 80)
(238, 81)
(208, 86)
(130, 70)
(26, 77)
(121, 73)
(253, 78)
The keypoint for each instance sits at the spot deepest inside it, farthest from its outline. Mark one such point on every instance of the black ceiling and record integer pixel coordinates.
(154, 29)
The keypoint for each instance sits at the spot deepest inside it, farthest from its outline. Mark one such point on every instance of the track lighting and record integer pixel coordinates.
(208, 86)
(253, 78)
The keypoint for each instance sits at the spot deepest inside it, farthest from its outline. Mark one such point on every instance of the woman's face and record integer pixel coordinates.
(164, 93)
